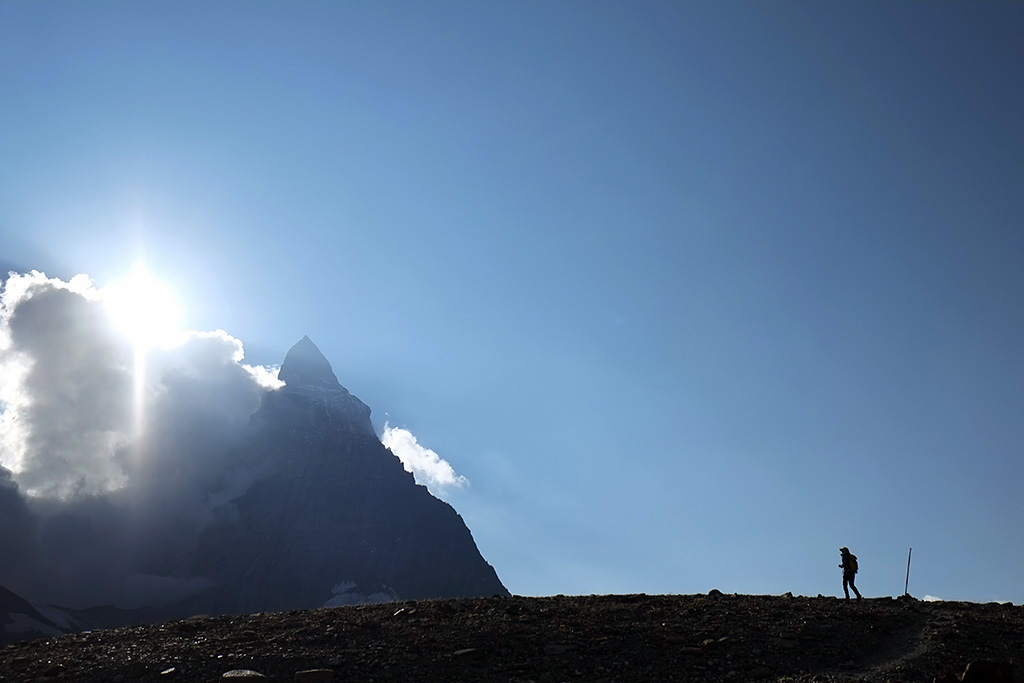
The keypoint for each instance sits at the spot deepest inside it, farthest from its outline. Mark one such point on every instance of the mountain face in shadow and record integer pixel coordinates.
(332, 518)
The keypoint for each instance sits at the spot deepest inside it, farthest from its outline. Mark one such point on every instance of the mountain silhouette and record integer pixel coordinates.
(332, 516)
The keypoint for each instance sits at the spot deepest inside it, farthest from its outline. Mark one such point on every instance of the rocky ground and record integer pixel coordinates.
(611, 638)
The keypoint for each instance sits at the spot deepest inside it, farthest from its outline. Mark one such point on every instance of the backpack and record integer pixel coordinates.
(851, 564)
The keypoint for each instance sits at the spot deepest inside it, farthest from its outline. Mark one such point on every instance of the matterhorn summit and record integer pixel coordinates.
(331, 516)
(305, 365)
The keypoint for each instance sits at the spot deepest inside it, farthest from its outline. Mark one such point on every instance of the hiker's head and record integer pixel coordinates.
(844, 551)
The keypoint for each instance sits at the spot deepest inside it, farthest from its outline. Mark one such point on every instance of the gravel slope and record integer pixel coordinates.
(610, 638)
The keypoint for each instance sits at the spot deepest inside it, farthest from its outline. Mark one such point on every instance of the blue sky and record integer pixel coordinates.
(692, 293)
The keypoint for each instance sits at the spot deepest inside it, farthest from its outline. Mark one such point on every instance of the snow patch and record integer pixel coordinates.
(343, 587)
(347, 593)
(58, 617)
(22, 623)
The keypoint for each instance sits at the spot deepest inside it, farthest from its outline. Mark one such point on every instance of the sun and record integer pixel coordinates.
(144, 310)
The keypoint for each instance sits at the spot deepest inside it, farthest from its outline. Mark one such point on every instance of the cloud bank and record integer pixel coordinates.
(427, 467)
(111, 460)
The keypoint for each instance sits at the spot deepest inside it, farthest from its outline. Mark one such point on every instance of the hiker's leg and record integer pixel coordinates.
(846, 590)
(854, 586)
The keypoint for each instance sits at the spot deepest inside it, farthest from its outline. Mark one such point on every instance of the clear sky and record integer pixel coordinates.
(691, 293)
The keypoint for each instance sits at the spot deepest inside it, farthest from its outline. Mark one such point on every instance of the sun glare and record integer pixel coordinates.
(144, 310)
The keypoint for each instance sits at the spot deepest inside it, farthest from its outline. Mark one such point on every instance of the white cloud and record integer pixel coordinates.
(426, 466)
(77, 401)
(66, 385)
(111, 460)
(265, 376)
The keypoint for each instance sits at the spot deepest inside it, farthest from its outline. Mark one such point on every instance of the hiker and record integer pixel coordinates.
(849, 567)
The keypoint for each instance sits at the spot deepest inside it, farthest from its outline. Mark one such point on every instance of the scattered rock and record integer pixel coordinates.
(314, 676)
(243, 673)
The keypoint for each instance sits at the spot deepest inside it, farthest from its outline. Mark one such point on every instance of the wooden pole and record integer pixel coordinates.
(906, 586)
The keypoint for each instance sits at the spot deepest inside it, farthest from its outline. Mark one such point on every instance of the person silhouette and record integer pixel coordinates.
(849, 567)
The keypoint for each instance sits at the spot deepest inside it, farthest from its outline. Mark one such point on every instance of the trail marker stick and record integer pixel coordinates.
(906, 586)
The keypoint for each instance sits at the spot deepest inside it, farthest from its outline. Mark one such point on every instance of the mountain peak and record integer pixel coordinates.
(304, 364)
